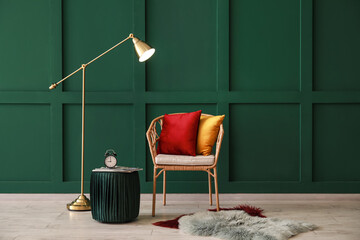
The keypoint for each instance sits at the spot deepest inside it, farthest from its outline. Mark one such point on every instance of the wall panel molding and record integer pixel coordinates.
(264, 142)
(281, 71)
(265, 37)
(23, 158)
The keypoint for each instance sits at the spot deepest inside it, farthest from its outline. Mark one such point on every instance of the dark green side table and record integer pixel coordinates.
(115, 195)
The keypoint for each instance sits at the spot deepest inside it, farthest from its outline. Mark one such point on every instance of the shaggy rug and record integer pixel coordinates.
(238, 225)
(251, 210)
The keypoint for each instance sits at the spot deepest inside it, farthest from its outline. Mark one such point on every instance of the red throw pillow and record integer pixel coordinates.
(179, 133)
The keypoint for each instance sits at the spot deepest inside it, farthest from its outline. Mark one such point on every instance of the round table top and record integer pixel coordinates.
(120, 169)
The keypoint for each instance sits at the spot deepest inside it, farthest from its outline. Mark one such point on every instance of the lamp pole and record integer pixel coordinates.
(83, 128)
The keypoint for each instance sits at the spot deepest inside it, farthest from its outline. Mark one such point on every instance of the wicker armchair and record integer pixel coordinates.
(153, 136)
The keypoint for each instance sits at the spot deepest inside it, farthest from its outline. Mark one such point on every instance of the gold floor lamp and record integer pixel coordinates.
(144, 52)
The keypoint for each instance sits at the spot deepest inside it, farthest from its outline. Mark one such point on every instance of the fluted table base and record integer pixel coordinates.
(115, 196)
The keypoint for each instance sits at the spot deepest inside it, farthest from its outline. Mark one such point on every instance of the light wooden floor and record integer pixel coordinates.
(44, 216)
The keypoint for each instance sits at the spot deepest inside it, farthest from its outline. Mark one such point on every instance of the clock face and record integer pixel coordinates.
(110, 161)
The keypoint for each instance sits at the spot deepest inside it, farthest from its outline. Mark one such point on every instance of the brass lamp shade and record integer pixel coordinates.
(143, 50)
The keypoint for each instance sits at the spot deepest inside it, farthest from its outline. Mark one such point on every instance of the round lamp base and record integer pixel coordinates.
(82, 203)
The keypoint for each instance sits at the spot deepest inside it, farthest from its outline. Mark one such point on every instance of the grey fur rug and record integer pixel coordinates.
(238, 225)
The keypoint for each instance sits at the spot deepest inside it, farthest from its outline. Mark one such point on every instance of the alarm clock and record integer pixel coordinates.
(110, 158)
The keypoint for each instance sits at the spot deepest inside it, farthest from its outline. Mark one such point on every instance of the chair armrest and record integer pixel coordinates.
(218, 144)
(152, 137)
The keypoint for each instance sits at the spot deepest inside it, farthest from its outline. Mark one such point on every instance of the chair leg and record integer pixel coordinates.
(154, 193)
(210, 193)
(216, 190)
(164, 188)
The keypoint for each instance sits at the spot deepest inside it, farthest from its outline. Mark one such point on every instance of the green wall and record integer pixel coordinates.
(285, 73)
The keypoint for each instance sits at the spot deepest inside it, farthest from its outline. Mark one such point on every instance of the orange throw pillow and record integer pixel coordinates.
(207, 134)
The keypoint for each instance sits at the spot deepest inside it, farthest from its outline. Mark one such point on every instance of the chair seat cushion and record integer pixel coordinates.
(184, 160)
